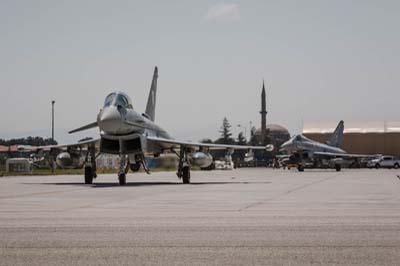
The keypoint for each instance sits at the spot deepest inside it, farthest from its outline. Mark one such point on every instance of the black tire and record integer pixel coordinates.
(122, 179)
(88, 175)
(300, 168)
(338, 167)
(396, 166)
(186, 175)
(377, 166)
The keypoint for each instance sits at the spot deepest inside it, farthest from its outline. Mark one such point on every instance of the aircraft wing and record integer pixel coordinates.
(77, 144)
(342, 155)
(171, 143)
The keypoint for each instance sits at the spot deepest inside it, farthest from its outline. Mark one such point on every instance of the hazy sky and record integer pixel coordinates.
(321, 60)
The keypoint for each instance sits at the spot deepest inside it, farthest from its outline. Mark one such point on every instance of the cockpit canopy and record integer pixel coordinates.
(300, 138)
(118, 98)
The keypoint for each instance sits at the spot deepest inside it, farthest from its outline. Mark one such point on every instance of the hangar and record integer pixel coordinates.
(360, 137)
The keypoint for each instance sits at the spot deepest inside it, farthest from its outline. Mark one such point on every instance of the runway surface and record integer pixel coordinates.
(242, 217)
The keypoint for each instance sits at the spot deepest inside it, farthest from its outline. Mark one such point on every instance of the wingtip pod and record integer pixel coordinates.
(269, 147)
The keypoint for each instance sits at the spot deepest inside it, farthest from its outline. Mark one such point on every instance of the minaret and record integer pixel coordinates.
(263, 113)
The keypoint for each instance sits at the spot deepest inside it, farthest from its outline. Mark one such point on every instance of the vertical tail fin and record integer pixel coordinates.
(337, 137)
(151, 101)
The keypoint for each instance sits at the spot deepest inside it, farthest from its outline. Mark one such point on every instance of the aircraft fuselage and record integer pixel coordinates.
(301, 144)
(123, 130)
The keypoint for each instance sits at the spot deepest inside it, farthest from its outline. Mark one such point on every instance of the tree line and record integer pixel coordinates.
(226, 136)
(33, 141)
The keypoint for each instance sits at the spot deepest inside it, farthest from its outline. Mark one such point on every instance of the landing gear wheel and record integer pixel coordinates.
(186, 175)
(300, 168)
(122, 179)
(338, 167)
(88, 175)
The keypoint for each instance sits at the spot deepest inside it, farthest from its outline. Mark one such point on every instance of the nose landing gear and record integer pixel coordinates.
(124, 165)
(123, 169)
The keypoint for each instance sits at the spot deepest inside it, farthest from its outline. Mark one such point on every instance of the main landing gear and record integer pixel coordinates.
(184, 166)
(90, 165)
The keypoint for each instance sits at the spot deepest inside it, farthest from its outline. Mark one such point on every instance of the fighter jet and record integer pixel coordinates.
(303, 151)
(132, 135)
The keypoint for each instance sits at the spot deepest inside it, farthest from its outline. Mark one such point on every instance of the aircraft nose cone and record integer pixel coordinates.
(109, 120)
(108, 114)
(286, 146)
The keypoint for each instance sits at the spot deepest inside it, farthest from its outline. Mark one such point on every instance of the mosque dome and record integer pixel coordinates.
(274, 129)
(277, 134)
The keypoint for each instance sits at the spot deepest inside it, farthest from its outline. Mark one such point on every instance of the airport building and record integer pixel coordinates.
(360, 137)
(20, 151)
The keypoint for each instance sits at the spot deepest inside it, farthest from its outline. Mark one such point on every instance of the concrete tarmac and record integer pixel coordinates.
(241, 217)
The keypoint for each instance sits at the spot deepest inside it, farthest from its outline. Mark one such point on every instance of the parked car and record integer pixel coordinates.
(384, 162)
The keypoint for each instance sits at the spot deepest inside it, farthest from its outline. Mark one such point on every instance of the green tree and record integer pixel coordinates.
(241, 140)
(253, 140)
(34, 141)
(226, 135)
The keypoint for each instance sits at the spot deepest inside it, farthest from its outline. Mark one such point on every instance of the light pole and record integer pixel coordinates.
(52, 119)
(52, 164)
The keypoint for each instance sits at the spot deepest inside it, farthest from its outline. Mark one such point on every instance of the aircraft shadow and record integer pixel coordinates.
(143, 184)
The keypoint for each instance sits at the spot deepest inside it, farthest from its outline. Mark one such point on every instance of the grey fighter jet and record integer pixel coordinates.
(132, 135)
(303, 151)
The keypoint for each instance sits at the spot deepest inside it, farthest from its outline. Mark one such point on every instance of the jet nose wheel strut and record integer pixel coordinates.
(123, 169)
(122, 179)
